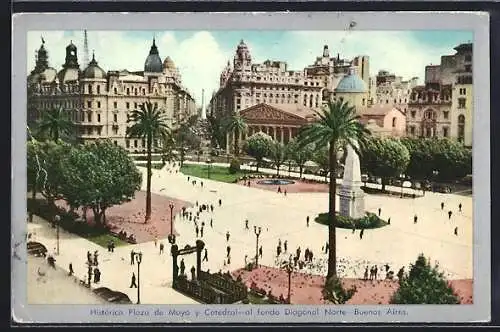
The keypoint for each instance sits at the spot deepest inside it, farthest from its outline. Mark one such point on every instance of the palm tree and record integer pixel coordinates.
(56, 124)
(235, 123)
(149, 123)
(337, 126)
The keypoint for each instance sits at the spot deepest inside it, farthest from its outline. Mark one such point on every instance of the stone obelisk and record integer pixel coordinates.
(352, 202)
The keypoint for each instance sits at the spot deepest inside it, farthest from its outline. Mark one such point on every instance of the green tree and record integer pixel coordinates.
(44, 168)
(452, 159)
(98, 176)
(322, 158)
(337, 126)
(149, 123)
(185, 138)
(421, 165)
(385, 157)
(424, 285)
(56, 124)
(300, 154)
(217, 130)
(278, 154)
(258, 146)
(237, 125)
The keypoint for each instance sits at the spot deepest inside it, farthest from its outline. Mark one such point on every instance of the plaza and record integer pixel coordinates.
(281, 218)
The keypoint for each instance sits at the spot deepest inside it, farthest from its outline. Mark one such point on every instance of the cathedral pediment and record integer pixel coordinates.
(264, 112)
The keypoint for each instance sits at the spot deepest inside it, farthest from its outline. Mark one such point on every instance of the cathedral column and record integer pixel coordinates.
(282, 135)
(289, 134)
(274, 132)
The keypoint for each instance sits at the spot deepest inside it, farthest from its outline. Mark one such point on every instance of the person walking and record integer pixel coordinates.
(71, 272)
(201, 231)
(307, 221)
(460, 207)
(227, 236)
(182, 267)
(197, 230)
(246, 257)
(285, 245)
(211, 208)
(211, 223)
(228, 249)
(361, 233)
(415, 219)
(97, 275)
(132, 255)
(205, 256)
(156, 241)
(220, 202)
(246, 224)
(260, 252)
(365, 276)
(133, 283)
(389, 221)
(442, 205)
(449, 214)
(379, 211)
(161, 248)
(95, 258)
(456, 231)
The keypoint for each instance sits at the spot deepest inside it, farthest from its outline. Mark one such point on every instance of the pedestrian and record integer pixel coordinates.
(228, 260)
(285, 192)
(375, 272)
(307, 221)
(246, 224)
(387, 267)
(353, 228)
(260, 251)
(201, 184)
(460, 207)
(298, 252)
(109, 246)
(365, 276)
(188, 178)
(161, 248)
(379, 211)
(205, 255)
(182, 266)
(197, 230)
(246, 256)
(279, 190)
(201, 231)
(202, 224)
(285, 245)
(97, 275)
(197, 203)
(95, 258)
(361, 233)
(442, 205)
(306, 254)
(220, 202)
(132, 255)
(112, 244)
(228, 249)
(401, 273)
(71, 272)
(211, 223)
(449, 214)
(132, 283)
(415, 219)
(456, 231)
(389, 221)
(311, 256)
(156, 240)
(89, 257)
(211, 208)
(227, 236)
(278, 251)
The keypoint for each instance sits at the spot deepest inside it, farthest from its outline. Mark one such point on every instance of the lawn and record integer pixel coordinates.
(103, 240)
(217, 173)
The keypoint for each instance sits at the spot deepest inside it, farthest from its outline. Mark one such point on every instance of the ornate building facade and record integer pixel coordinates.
(443, 107)
(99, 102)
(392, 90)
(250, 88)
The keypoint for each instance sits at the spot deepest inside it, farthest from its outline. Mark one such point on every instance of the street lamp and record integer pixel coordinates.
(209, 164)
(257, 232)
(288, 266)
(138, 259)
(171, 236)
(57, 219)
(402, 180)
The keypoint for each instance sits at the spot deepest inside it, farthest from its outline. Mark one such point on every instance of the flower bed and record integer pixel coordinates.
(369, 221)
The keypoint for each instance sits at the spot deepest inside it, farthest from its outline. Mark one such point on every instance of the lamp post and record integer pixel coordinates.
(288, 266)
(171, 236)
(402, 180)
(435, 174)
(138, 259)
(209, 164)
(257, 232)
(57, 220)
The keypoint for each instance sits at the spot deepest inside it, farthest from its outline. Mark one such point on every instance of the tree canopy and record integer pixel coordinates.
(278, 154)
(300, 154)
(258, 146)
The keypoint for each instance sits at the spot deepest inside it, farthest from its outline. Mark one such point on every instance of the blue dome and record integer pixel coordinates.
(153, 62)
(351, 83)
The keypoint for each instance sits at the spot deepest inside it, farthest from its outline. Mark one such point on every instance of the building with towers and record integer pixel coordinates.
(99, 101)
(443, 107)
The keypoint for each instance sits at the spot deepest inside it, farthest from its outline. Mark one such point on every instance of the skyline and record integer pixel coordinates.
(201, 55)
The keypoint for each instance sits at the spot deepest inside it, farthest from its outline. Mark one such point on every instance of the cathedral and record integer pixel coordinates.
(99, 101)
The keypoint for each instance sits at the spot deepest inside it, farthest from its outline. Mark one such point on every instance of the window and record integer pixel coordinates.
(463, 91)
(445, 114)
(135, 143)
(99, 131)
(135, 105)
(461, 127)
(127, 104)
(135, 91)
(128, 91)
(89, 131)
(461, 102)
(468, 58)
(116, 142)
(90, 89)
(412, 130)
(98, 104)
(143, 143)
(445, 131)
(143, 91)
(156, 105)
(89, 117)
(115, 131)
(98, 89)
(115, 91)
(115, 117)
(98, 117)
(115, 104)
(89, 104)
(127, 143)
(394, 122)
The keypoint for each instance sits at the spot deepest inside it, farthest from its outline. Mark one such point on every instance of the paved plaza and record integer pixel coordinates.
(280, 217)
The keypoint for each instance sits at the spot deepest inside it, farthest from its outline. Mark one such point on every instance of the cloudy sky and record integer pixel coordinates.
(201, 55)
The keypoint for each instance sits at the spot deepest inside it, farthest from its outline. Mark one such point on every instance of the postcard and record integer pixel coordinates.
(233, 167)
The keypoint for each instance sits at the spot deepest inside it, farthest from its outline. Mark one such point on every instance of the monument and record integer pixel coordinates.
(352, 202)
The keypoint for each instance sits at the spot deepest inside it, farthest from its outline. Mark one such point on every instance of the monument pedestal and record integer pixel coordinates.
(352, 202)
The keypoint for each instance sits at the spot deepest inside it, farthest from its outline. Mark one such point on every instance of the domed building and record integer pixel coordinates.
(100, 101)
(352, 89)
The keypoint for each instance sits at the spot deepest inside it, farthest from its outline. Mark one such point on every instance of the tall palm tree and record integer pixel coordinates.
(149, 123)
(55, 123)
(337, 126)
(235, 123)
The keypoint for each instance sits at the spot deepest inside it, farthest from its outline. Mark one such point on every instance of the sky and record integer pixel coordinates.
(202, 55)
